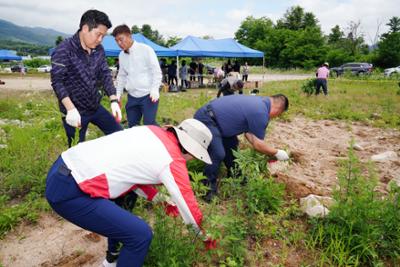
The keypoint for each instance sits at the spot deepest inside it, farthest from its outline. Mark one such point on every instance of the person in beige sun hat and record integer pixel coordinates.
(86, 177)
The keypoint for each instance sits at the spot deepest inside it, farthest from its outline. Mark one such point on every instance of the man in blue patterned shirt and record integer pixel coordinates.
(79, 71)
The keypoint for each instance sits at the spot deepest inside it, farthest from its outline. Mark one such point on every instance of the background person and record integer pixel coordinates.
(172, 73)
(229, 85)
(322, 78)
(229, 116)
(200, 67)
(78, 67)
(140, 74)
(84, 178)
(183, 71)
(192, 70)
(245, 72)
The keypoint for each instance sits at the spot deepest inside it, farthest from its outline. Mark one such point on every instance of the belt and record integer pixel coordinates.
(210, 113)
(63, 169)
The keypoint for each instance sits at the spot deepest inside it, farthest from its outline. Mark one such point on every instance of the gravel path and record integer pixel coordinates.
(43, 83)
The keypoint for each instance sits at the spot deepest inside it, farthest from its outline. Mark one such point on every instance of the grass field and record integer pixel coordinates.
(245, 219)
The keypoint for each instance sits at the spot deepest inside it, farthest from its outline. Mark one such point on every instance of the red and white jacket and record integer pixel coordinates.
(134, 159)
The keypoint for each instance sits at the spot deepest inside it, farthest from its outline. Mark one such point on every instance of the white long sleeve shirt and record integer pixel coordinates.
(139, 71)
(134, 159)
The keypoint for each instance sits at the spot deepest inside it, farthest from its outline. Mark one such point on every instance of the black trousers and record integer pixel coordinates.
(324, 84)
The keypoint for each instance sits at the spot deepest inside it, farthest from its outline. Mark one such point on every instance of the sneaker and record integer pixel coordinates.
(111, 259)
(109, 264)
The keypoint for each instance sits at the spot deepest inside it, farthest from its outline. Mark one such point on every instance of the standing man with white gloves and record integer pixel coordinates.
(140, 74)
(79, 68)
(229, 116)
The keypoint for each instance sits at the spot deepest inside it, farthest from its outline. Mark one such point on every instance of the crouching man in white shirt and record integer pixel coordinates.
(140, 74)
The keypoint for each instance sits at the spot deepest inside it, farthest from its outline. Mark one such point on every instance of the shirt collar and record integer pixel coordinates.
(130, 50)
(76, 41)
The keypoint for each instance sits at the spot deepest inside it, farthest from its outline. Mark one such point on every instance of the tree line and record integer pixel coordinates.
(296, 41)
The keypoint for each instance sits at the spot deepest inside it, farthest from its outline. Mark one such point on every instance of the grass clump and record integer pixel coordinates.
(363, 227)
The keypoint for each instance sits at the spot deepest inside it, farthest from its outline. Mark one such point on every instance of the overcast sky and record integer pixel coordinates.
(219, 19)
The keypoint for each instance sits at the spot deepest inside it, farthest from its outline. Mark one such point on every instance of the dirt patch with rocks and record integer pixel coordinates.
(316, 148)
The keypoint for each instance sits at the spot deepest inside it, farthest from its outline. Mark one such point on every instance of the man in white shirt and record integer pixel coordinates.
(139, 74)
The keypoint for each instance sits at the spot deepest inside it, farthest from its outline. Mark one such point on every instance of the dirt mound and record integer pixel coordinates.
(317, 146)
(52, 242)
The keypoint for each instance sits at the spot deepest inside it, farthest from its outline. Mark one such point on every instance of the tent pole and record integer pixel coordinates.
(177, 71)
(263, 70)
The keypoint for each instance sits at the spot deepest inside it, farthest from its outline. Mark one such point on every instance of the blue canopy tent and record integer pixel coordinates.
(196, 47)
(226, 48)
(9, 55)
(112, 49)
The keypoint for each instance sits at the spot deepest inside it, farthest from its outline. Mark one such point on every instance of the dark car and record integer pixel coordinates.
(17, 68)
(354, 68)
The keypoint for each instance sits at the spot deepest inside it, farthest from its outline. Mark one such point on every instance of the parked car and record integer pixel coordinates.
(44, 68)
(354, 68)
(392, 71)
(17, 68)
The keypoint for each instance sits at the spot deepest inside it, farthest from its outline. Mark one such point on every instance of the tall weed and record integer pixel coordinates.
(363, 226)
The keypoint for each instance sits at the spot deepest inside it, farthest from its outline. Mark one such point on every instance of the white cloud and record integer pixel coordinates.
(181, 17)
(339, 12)
(237, 14)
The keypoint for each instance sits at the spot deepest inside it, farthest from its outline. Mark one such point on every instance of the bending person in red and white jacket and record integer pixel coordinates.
(84, 178)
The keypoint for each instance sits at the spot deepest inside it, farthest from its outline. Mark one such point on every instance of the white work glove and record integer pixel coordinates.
(281, 155)
(73, 118)
(154, 96)
(116, 111)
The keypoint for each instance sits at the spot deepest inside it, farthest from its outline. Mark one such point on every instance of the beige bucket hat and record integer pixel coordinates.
(195, 137)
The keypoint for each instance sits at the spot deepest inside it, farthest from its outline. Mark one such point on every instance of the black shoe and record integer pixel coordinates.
(209, 196)
(111, 256)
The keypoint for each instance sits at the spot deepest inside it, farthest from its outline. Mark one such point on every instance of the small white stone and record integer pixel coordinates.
(385, 156)
(358, 147)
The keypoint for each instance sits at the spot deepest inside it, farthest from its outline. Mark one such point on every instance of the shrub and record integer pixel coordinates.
(309, 86)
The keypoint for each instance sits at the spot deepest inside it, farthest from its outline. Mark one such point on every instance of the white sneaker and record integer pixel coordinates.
(108, 264)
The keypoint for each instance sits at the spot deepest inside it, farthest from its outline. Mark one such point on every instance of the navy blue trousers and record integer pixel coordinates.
(136, 107)
(101, 118)
(322, 83)
(98, 215)
(220, 149)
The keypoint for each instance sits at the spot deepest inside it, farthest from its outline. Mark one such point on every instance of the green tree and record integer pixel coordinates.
(59, 40)
(335, 36)
(172, 40)
(148, 32)
(292, 19)
(153, 35)
(135, 29)
(309, 21)
(394, 24)
(252, 30)
(388, 54)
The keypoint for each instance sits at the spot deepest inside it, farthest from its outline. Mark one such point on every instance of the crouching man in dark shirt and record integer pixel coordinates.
(229, 85)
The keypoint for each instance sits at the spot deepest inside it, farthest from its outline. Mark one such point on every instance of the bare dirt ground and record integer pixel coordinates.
(26, 83)
(316, 146)
(43, 83)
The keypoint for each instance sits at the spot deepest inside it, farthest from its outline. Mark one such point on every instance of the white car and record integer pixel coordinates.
(44, 68)
(389, 72)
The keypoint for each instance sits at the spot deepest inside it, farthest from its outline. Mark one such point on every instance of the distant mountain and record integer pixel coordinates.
(36, 35)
